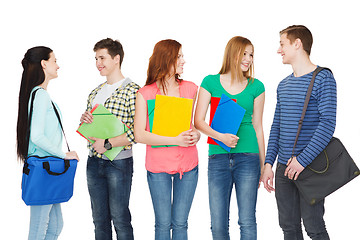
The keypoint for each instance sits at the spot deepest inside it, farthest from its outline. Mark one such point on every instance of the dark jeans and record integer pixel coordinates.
(109, 184)
(292, 208)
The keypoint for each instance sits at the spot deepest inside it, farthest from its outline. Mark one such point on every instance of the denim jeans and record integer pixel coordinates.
(292, 208)
(172, 198)
(226, 170)
(109, 184)
(46, 222)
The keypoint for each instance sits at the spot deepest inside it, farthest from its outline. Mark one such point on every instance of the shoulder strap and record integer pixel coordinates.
(58, 117)
(56, 113)
(307, 99)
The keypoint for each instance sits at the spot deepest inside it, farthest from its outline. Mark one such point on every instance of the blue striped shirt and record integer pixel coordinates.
(319, 121)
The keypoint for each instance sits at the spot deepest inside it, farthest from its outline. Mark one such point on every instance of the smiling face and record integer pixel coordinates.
(50, 67)
(286, 49)
(247, 59)
(105, 63)
(180, 63)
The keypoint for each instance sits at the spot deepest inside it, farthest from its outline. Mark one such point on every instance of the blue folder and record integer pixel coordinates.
(227, 118)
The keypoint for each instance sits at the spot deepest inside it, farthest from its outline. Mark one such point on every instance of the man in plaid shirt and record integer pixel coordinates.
(109, 182)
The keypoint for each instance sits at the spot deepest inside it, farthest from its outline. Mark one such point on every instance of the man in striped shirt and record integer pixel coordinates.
(317, 130)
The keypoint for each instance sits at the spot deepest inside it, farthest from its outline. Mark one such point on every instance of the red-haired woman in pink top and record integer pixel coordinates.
(172, 171)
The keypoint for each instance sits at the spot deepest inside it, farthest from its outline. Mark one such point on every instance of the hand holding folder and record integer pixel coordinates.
(227, 118)
(104, 125)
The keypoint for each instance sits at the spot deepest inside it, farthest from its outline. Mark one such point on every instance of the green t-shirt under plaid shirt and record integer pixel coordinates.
(247, 136)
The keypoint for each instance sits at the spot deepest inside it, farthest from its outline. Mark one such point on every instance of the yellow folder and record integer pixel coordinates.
(172, 115)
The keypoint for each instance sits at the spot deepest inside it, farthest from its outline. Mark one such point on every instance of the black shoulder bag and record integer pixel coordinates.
(330, 170)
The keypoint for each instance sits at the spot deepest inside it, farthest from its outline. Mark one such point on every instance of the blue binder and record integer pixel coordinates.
(227, 118)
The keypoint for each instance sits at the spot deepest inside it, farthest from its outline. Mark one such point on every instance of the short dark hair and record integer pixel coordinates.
(114, 47)
(299, 32)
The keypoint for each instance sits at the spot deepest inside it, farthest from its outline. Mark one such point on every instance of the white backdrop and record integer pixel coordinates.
(71, 28)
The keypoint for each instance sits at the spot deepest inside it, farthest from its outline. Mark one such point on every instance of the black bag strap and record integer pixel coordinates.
(62, 129)
(56, 113)
(46, 166)
(307, 99)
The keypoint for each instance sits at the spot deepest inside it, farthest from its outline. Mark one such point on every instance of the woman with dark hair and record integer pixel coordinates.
(45, 138)
(172, 172)
(241, 166)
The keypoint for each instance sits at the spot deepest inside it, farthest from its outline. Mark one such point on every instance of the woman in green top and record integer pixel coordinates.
(242, 166)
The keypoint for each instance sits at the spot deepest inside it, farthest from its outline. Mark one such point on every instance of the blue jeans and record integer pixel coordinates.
(46, 222)
(109, 184)
(292, 208)
(226, 170)
(172, 213)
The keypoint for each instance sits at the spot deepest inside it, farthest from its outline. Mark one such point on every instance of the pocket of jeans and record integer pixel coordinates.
(123, 164)
(196, 168)
(280, 169)
(212, 156)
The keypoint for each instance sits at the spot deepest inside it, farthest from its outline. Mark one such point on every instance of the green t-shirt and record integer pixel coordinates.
(247, 135)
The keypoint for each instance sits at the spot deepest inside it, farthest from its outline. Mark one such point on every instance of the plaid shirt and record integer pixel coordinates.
(122, 105)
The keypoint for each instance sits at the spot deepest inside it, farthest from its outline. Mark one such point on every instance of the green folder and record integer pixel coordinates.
(105, 125)
(151, 110)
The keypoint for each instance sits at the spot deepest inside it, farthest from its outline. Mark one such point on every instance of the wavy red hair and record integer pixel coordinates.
(162, 63)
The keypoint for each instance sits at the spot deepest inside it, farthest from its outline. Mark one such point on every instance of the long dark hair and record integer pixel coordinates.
(162, 61)
(32, 76)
